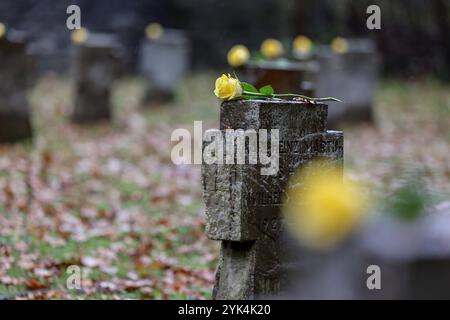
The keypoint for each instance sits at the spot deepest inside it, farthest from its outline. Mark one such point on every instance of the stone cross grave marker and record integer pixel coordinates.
(164, 62)
(351, 77)
(16, 71)
(283, 75)
(96, 65)
(243, 207)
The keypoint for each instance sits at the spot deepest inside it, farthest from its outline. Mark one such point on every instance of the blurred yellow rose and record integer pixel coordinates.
(154, 31)
(302, 44)
(2, 30)
(238, 55)
(227, 88)
(271, 49)
(321, 209)
(79, 35)
(339, 45)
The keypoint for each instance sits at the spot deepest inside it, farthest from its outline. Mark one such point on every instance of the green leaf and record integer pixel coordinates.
(267, 90)
(257, 56)
(248, 87)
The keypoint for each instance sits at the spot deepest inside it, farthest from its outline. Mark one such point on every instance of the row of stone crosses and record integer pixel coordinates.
(96, 61)
(164, 59)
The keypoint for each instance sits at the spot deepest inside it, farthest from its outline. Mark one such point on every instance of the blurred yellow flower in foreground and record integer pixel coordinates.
(302, 44)
(154, 31)
(321, 210)
(80, 35)
(339, 45)
(227, 88)
(238, 55)
(271, 49)
(2, 30)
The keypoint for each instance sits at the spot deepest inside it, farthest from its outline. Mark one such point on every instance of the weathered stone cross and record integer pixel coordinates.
(243, 207)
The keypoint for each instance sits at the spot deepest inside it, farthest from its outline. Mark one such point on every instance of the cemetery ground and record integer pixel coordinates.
(108, 199)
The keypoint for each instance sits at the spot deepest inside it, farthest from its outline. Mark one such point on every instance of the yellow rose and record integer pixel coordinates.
(339, 45)
(271, 48)
(238, 55)
(154, 31)
(322, 209)
(2, 30)
(79, 35)
(227, 88)
(302, 44)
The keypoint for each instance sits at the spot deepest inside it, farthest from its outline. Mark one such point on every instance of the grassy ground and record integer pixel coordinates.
(108, 199)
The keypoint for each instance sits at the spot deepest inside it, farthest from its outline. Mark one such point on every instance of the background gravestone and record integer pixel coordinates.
(283, 75)
(164, 62)
(96, 64)
(243, 207)
(351, 77)
(16, 70)
(413, 258)
(414, 254)
(206, 20)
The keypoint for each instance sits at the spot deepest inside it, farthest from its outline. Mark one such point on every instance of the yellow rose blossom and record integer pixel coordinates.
(227, 88)
(154, 31)
(80, 35)
(339, 45)
(321, 210)
(2, 30)
(302, 44)
(271, 49)
(238, 55)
